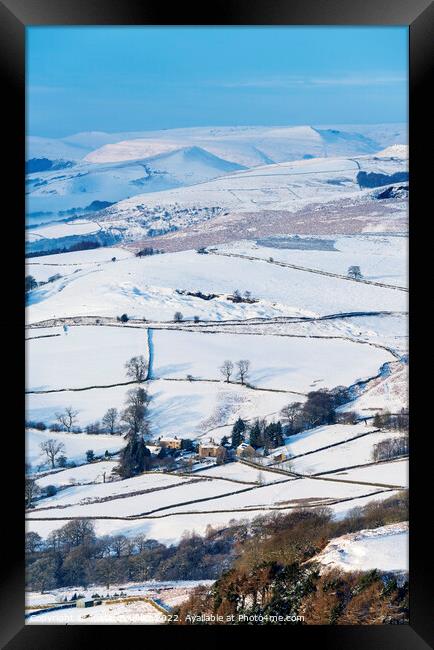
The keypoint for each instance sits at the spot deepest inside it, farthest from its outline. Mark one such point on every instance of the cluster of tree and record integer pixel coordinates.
(390, 448)
(258, 434)
(246, 297)
(74, 555)
(242, 370)
(30, 283)
(396, 421)
(258, 564)
(197, 294)
(318, 409)
(145, 252)
(272, 576)
(79, 246)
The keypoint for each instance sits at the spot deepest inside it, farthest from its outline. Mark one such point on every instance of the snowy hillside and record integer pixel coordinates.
(76, 174)
(86, 188)
(384, 548)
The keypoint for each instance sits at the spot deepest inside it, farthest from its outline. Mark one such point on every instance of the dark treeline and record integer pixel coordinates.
(397, 421)
(74, 556)
(391, 448)
(318, 409)
(83, 245)
(272, 574)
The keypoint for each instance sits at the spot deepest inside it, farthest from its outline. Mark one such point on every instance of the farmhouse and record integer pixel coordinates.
(280, 455)
(209, 449)
(245, 450)
(170, 442)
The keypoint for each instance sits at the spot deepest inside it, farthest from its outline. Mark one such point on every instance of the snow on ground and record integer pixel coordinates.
(67, 229)
(83, 356)
(164, 590)
(240, 472)
(76, 445)
(384, 548)
(169, 530)
(90, 404)
(389, 393)
(146, 287)
(395, 151)
(293, 364)
(126, 613)
(182, 408)
(75, 501)
(391, 473)
(386, 329)
(355, 452)
(283, 186)
(198, 408)
(297, 493)
(86, 494)
(323, 436)
(42, 268)
(89, 473)
(382, 258)
(169, 592)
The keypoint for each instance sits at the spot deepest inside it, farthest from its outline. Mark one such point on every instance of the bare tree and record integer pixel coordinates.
(227, 369)
(137, 368)
(52, 449)
(110, 421)
(68, 418)
(178, 317)
(243, 366)
(290, 414)
(31, 491)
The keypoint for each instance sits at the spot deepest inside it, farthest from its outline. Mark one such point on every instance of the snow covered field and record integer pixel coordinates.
(182, 408)
(390, 473)
(88, 473)
(147, 287)
(384, 548)
(241, 472)
(292, 364)
(356, 452)
(45, 267)
(83, 356)
(87, 494)
(169, 529)
(380, 257)
(322, 436)
(126, 613)
(76, 445)
(67, 229)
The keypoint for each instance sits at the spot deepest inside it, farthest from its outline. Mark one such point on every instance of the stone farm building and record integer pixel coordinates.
(209, 449)
(170, 442)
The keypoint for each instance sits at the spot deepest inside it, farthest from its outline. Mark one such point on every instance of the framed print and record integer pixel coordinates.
(216, 321)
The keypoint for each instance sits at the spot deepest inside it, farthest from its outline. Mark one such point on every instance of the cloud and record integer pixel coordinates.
(316, 82)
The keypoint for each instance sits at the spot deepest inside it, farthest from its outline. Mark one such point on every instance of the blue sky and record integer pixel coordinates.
(139, 78)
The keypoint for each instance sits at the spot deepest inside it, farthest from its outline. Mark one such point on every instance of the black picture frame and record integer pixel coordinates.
(15, 16)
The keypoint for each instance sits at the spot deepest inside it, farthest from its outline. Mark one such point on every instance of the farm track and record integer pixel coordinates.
(310, 270)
